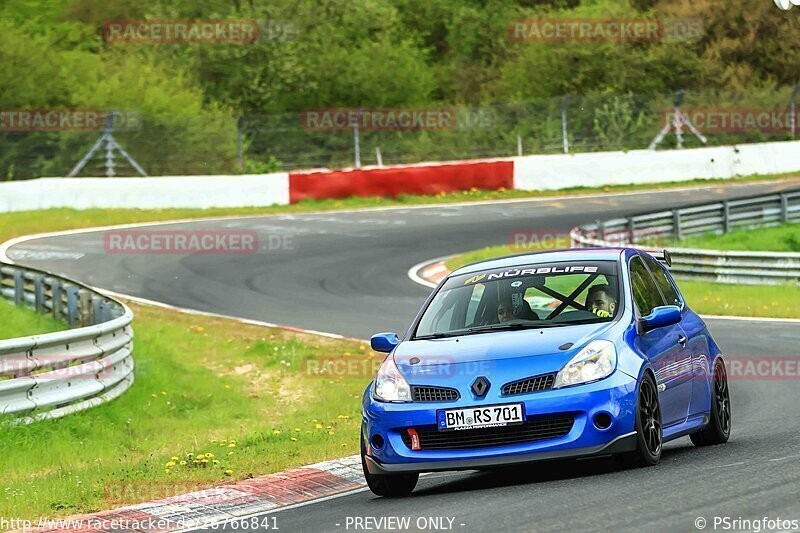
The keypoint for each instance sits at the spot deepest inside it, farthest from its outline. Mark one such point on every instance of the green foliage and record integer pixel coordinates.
(316, 54)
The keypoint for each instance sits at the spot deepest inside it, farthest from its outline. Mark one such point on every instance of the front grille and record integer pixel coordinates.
(434, 394)
(534, 429)
(524, 386)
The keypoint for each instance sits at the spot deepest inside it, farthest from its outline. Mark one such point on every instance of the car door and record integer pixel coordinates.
(697, 335)
(665, 347)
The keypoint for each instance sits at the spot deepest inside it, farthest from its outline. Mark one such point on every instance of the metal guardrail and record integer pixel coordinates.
(55, 374)
(654, 231)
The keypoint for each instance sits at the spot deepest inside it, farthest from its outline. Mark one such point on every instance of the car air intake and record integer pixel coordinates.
(532, 384)
(534, 429)
(434, 394)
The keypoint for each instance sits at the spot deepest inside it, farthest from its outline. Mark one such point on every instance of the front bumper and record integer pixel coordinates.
(614, 396)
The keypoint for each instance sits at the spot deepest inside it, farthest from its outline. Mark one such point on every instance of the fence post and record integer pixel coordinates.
(726, 213)
(356, 146)
(239, 144)
(519, 145)
(601, 228)
(378, 156)
(564, 124)
(676, 224)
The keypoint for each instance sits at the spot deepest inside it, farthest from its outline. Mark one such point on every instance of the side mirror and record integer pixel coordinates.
(384, 342)
(664, 315)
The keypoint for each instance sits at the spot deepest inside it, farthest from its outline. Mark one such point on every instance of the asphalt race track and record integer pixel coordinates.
(345, 273)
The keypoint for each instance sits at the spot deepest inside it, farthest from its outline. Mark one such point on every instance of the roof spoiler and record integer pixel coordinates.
(663, 257)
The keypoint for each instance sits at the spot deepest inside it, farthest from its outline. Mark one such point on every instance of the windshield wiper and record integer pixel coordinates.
(509, 327)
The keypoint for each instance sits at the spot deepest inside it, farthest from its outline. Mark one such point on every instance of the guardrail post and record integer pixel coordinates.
(601, 229)
(73, 313)
(676, 224)
(19, 287)
(85, 307)
(38, 294)
(784, 209)
(55, 297)
(631, 230)
(726, 213)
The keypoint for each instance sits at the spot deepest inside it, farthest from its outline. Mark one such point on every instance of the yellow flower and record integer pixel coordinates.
(344, 445)
(183, 463)
(154, 395)
(200, 456)
(228, 472)
(210, 455)
(331, 433)
(232, 445)
(204, 461)
(230, 453)
(329, 427)
(297, 430)
(293, 439)
(167, 471)
(318, 426)
(163, 393)
(175, 458)
(199, 329)
(170, 464)
(213, 441)
(362, 347)
(189, 454)
(277, 432)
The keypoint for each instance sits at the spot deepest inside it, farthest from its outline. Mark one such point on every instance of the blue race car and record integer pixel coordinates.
(550, 355)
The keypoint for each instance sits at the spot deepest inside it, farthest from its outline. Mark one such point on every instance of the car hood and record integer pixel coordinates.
(500, 345)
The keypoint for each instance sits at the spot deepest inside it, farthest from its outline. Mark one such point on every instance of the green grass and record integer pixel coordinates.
(20, 322)
(28, 222)
(195, 387)
(781, 301)
(783, 238)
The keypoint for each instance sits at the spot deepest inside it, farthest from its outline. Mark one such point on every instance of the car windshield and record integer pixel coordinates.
(530, 296)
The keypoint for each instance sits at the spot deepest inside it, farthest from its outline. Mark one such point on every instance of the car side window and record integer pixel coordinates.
(645, 292)
(662, 280)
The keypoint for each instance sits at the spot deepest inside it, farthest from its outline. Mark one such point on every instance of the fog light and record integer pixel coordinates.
(377, 441)
(602, 420)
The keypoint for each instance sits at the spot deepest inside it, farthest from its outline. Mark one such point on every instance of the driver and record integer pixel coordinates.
(505, 310)
(600, 301)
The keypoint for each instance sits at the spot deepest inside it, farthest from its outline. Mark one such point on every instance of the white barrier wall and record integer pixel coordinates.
(146, 193)
(540, 172)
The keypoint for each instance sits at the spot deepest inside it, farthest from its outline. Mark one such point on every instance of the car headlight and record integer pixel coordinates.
(390, 385)
(597, 360)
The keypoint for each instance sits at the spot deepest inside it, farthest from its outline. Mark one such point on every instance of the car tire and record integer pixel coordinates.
(718, 429)
(389, 486)
(649, 435)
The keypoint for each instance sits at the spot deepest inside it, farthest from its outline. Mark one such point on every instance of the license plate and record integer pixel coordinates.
(481, 417)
